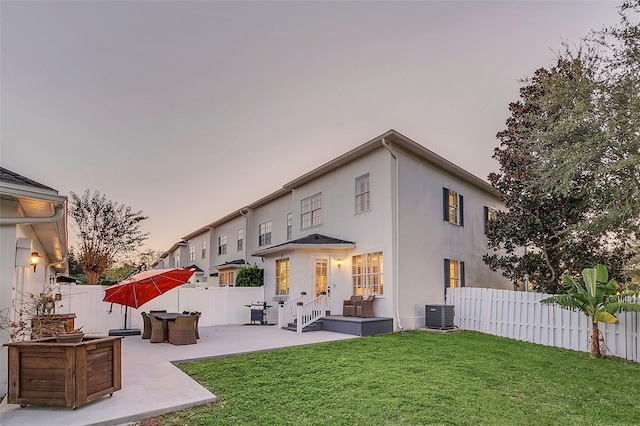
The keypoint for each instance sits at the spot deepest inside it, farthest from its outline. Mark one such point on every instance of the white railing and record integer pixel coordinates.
(520, 315)
(287, 311)
(311, 311)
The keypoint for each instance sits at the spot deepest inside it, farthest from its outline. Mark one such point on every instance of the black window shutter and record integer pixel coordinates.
(486, 219)
(445, 204)
(446, 275)
(461, 207)
(461, 274)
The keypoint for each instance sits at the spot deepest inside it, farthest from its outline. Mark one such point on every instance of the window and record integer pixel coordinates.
(367, 274)
(240, 239)
(204, 249)
(363, 194)
(192, 252)
(490, 215)
(289, 225)
(264, 233)
(282, 277)
(453, 274)
(452, 207)
(226, 278)
(311, 209)
(222, 244)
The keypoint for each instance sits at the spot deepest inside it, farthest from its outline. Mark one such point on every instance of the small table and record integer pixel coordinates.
(166, 317)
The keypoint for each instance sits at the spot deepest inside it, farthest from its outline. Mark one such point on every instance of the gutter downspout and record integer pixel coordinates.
(49, 265)
(394, 243)
(59, 213)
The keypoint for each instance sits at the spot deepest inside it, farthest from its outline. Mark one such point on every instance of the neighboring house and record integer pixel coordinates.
(389, 218)
(33, 219)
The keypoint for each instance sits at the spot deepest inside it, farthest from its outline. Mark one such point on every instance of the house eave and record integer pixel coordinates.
(291, 247)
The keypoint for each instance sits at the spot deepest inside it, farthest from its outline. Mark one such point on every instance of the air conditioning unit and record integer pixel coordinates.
(439, 316)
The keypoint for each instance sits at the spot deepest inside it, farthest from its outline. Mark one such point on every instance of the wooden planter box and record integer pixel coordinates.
(43, 325)
(43, 372)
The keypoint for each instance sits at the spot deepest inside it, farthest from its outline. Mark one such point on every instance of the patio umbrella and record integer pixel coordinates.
(142, 287)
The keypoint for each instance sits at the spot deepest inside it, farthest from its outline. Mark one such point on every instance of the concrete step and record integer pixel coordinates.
(293, 326)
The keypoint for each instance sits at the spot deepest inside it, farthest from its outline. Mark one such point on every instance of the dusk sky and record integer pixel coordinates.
(191, 110)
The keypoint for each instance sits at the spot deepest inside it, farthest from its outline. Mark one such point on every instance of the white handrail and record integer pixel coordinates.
(310, 312)
(287, 311)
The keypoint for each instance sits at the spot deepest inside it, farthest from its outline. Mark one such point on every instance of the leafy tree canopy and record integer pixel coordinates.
(570, 163)
(106, 232)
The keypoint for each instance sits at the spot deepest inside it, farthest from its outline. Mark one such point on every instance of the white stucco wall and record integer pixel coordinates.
(426, 240)
(370, 231)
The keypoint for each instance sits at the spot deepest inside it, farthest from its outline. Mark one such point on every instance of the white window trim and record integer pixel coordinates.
(314, 214)
(361, 194)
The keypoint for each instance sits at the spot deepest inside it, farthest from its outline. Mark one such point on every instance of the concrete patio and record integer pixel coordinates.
(152, 385)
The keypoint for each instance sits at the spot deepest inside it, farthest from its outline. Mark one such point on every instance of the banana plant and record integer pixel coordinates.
(599, 299)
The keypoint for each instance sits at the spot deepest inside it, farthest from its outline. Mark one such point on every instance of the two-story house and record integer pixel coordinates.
(389, 218)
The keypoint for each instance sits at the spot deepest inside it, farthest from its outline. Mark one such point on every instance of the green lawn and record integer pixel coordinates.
(416, 378)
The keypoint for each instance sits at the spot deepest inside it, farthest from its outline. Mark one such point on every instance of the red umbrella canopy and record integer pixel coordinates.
(140, 288)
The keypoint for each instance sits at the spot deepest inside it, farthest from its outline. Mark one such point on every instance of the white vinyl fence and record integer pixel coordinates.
(520, 315)
(219, 306)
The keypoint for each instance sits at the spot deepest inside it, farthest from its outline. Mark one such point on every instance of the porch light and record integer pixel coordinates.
(35, 259)
(339, 262)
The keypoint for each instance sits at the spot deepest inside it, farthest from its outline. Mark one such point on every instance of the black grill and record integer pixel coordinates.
(258, 312)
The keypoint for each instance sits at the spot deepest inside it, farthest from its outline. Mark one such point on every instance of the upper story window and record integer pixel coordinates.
(264, 233)
(204, 249)
(452, 207)
(490, 215)
(453, 273)
(240, 239)
(282, 277)
(289, 226)
(222, 244)
(311, 209)
(363, 193)
(192, 252)
(367, 274)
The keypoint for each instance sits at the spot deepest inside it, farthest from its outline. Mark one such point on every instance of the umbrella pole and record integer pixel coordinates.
(126, 309)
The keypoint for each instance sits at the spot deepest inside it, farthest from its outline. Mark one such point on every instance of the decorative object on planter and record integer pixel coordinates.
(35, 316)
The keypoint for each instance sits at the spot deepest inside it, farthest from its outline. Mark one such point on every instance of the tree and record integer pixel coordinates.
(252, 276)
(592, 136)
(539, 234)
(106, 231)
(598, 298)
(570, 165)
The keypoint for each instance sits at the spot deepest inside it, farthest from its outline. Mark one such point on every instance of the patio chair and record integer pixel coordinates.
(195, 325)
(157, 330)
(365, 308)
(161, 311)
(182, 331)
(146, 333)
(349, 306)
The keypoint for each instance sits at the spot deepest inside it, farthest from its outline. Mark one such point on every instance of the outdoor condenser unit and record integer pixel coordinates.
(439, 316)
